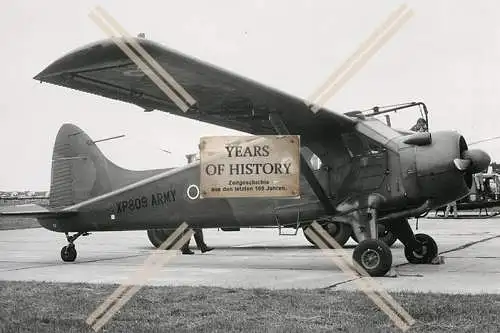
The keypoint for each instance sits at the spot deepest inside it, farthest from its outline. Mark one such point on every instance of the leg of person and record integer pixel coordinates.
(185, 248)
(455, 211)
(198, 237)
(447, 211)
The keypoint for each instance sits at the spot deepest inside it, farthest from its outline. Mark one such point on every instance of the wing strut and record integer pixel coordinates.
(281, 129)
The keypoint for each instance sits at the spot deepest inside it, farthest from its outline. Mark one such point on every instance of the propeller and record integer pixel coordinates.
(472, 160)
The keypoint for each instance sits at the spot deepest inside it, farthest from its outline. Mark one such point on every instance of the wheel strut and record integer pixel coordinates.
(73, 238)
(68, 252)
(402, 230)
(419, 248)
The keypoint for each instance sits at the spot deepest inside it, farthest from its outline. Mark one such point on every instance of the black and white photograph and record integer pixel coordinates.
(336, 163)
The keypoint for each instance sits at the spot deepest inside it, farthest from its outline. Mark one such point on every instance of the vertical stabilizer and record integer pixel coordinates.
(80, 171)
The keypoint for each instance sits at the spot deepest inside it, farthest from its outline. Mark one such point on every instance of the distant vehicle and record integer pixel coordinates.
(484, 194)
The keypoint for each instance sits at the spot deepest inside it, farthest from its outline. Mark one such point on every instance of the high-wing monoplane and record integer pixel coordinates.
(370, 173)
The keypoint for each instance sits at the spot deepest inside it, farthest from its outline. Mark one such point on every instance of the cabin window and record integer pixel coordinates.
(315, 162)
(360, 145)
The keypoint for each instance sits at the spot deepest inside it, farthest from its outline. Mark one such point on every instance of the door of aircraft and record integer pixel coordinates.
(408, 164)
(369, 161)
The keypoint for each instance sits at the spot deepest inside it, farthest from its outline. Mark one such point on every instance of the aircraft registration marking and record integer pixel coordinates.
(159, 199)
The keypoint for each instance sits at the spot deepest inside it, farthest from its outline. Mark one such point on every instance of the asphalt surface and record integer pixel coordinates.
(256, 258)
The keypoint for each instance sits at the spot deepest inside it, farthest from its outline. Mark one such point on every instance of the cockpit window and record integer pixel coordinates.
(361, 145)
(420, 126)
(312, 159)
(374, 148)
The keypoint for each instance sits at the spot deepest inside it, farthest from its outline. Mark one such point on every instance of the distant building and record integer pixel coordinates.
(41, 194)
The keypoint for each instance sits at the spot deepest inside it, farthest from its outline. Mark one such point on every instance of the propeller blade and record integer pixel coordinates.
(462, 164)
(478, 158)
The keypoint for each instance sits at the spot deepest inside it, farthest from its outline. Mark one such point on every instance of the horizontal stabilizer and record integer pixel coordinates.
(33, 210)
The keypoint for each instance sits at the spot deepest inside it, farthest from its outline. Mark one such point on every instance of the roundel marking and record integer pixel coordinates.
(193, 192)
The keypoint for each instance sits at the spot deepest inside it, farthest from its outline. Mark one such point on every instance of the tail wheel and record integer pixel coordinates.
(339, 231)
(374, 256)
(424, 255)
(68, 253)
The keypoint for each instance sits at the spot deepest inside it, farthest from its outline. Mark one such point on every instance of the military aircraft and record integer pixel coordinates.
(370, 173)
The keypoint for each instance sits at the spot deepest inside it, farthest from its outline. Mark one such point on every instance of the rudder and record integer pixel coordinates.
(80, 170)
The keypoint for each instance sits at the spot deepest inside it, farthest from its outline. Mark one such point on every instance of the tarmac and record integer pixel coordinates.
(257, 258)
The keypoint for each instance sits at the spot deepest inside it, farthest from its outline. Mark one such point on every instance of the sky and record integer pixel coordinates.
(447, 56)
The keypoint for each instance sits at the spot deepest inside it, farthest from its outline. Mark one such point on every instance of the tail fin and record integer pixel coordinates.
(80, 170)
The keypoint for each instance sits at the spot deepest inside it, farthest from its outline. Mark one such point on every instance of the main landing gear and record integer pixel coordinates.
(68, 252)
(384, 234)
(424, 254)
(375, 256)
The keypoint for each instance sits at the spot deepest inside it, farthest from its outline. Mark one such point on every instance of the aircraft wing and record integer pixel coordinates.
(222, 98)
(33, 210)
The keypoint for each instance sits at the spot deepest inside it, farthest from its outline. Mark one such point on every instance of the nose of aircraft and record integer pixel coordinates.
(472, 161)
(445, 167)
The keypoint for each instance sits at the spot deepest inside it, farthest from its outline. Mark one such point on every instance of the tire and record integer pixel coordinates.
(158, 236)
(429, 250)
(374, 256)
(339, 231)
(384, 235)
(307, 237)
(68, 253)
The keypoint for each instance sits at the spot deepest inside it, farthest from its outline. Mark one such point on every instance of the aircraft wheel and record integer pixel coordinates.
(339, 231)
(153, 238)
(374, 256)
(68, 253)
(307, 237)
(384, 235)
(158, 236)
(428, 252)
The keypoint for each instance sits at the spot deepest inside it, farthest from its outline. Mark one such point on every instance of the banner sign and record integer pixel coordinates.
(250, 166)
